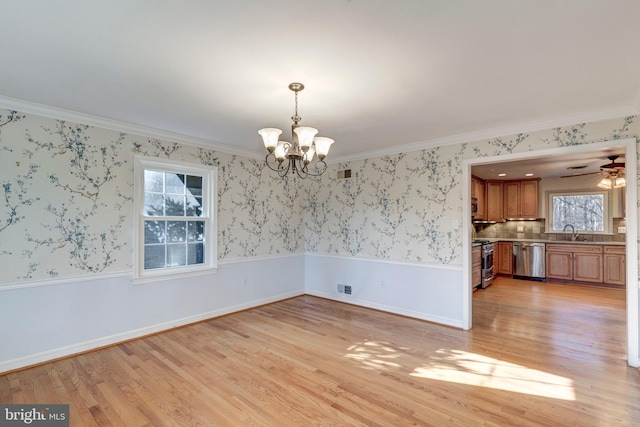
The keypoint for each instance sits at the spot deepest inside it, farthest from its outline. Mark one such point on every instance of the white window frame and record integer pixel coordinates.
(608, 220)
(209, 201)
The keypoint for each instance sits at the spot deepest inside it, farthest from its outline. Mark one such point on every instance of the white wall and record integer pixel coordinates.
(56, 319)
(428, 292)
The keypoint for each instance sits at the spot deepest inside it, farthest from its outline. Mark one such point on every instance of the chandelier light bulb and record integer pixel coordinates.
(308, 156)
(323, 144)
(305, 136)
(270, 138)
(281, 150)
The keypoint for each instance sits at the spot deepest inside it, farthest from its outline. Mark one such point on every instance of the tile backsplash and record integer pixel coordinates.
(535, 230)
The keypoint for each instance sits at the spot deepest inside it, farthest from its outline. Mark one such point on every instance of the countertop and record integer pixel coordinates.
(500, 239)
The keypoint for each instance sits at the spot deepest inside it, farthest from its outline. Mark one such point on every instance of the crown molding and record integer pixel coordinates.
(494, 133)
(120, 126)
(126, 127)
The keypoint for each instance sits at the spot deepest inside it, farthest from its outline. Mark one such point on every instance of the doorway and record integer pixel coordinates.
(629, 147)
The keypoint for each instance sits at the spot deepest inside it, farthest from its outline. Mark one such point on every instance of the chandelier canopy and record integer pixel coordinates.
(296, 157)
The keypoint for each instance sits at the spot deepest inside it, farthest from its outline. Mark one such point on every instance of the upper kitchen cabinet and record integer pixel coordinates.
(477, 193)
(521, 199)
(494, 201)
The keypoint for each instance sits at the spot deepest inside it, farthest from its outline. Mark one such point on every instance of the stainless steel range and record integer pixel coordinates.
(487, 262)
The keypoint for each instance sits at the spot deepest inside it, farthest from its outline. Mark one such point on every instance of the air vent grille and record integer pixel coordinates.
(344, 174)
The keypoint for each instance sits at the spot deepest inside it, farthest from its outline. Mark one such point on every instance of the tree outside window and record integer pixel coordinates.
(586, 211)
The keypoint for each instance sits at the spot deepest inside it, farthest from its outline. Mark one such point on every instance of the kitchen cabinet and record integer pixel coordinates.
(587, 267)
(559, 265)
(477, 191)
(614, 267)
(476, 266)
(583, 263)
(504, 259)
(521, 199)
(494, 201)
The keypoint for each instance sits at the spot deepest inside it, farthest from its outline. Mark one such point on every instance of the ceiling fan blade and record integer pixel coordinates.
(581, 174)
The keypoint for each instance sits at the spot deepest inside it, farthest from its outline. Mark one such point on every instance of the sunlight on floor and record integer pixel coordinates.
(468, 368)
(462, 367)
(375, 354)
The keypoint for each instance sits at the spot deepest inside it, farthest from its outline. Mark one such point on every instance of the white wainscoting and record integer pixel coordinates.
(58, 319)
(428, 292)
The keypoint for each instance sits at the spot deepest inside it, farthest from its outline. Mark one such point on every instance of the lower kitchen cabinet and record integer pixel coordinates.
(615, 270)
(583, 263)
(504, 259)
(587, 267)
(559, 265)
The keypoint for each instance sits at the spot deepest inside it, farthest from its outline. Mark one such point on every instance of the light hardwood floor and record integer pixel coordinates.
(538, 355)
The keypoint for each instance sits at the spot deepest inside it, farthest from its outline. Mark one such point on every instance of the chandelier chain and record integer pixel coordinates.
(296, 118)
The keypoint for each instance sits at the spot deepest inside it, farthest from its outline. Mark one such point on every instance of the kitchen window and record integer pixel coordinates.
(586, 211)
(175, 227)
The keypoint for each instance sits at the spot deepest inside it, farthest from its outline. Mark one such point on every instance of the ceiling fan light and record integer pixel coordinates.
(620, 182)
(323, 144)
(605, 184)
(270, 138)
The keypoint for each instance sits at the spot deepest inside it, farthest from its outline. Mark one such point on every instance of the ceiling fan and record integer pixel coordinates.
(611, 170)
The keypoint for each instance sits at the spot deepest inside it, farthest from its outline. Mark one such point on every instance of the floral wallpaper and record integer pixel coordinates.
(400, 207)
(67, 199)
(66, 207)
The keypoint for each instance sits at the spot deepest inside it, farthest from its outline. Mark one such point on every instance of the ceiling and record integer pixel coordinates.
(578, 164)
(379, 75)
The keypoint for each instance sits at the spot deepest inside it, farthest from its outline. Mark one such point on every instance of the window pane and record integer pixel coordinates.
(176, 231)
(176, 255)
(154, 231)
(173, 220)
(194, 185)
(174, 183)
(194, 206)
(154, 256)
(195, 231)
(174, 206)
(153, 204)
(195, 253)
(153, 181)
(584, 212)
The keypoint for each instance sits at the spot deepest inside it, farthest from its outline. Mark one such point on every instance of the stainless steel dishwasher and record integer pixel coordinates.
(529, 261)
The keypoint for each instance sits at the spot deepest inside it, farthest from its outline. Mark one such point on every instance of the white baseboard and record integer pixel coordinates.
(389, 309)
(58, 353)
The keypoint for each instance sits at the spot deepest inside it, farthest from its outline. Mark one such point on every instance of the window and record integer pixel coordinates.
(586, 211)
(174, 205)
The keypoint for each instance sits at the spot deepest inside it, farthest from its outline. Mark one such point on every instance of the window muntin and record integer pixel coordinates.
(175, 217)
(586, 211)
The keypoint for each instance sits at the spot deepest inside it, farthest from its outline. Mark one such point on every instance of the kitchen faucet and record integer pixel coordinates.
(574, 235)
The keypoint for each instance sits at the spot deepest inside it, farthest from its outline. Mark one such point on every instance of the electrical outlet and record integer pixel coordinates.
(520, 228)
(622, 230)
(340, 289)
(347, 289)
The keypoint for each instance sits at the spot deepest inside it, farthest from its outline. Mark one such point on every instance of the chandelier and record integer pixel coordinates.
(297, 156)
